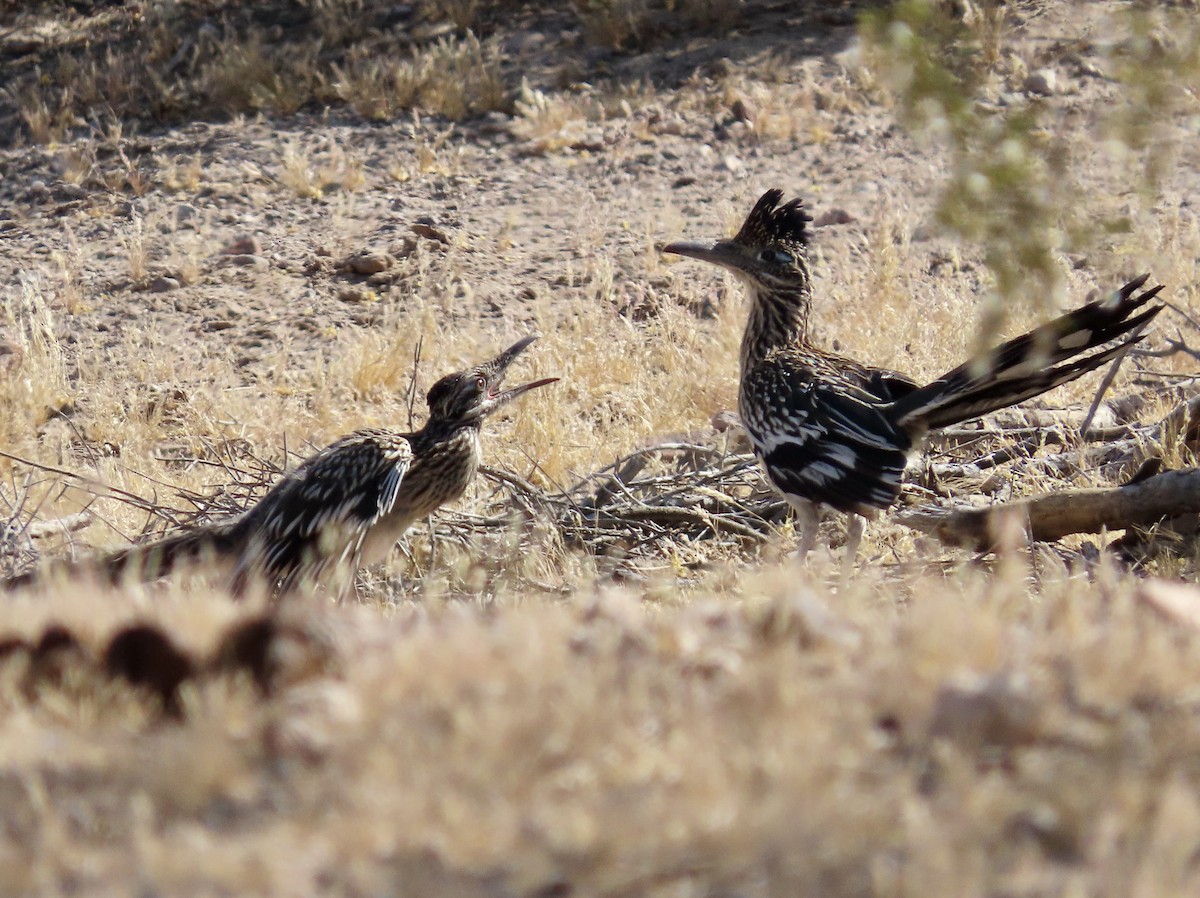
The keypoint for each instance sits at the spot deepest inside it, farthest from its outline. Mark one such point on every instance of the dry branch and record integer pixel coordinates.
(1050, 517)
(69, 523)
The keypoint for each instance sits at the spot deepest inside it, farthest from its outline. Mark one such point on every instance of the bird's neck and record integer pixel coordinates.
(444, 463)
(778, 319)
(451, 436)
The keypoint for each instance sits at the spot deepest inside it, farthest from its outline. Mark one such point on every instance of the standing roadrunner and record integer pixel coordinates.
(829, 430)
(344, 507)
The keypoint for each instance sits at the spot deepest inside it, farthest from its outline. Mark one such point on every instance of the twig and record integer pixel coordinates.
(412, 381)
(1106, 382)
(124, 495)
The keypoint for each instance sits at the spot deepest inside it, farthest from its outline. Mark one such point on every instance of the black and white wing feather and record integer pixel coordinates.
(821, 433)
(318, 515)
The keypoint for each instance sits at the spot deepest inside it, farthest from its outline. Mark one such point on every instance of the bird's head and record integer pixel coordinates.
(769, 252)
(471, 395)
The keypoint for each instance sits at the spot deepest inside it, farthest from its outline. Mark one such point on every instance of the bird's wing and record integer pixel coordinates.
(822, 435)
(320, 513)
(887, 385)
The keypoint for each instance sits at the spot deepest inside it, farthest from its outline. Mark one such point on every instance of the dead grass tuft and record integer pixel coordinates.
(552, 123)
(181, 61)
(625, 24)
(35, 384)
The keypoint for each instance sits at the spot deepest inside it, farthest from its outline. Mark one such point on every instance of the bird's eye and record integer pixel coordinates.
(776, 256)
(481, 382)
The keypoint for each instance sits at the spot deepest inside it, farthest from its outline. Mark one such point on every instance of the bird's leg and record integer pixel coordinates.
(855, 525)
(808, 520)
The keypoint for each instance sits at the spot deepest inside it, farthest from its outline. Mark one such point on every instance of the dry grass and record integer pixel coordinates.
(453, 78)
(775, 746)
(619, 24)
(517, 706)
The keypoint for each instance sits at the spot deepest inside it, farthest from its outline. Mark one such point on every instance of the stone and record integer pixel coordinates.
(1042, 83)
(368, 262)
(163, 284)
(833, 217)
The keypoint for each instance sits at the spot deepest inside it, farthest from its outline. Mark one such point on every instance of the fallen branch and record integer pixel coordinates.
(68, 523)
(1053, 516)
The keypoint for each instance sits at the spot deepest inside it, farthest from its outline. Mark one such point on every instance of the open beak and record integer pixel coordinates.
(509, 395)
(499, 365)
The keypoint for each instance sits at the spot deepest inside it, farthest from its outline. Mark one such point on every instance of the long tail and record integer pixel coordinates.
(140, 563)
(1033, 363)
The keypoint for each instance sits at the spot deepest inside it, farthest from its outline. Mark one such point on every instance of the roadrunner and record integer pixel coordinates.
(344, 507)
(829, 430)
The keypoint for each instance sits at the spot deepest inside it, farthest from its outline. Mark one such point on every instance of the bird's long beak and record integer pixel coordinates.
(512, 393)
(499, 365)
(724, 253)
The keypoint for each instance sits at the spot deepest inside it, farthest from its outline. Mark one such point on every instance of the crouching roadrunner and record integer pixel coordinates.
(344, 507)
(829, 430)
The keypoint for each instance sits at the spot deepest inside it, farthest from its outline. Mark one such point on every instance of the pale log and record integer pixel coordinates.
(1055, 515)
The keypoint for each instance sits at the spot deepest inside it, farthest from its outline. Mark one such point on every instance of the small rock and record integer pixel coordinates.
(368, 262)
(185, 213)
(357, 295)
(163, 284)
(673, 125)
(833, 217)
(743, 111)
(726, 420)
(732, 164)
(72, 192)
(430, 232)
(249, 261)
(245, 245)
(1042, 83)
(38, 187)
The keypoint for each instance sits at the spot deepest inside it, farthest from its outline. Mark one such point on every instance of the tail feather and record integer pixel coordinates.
(1031, 364)
(142, 563)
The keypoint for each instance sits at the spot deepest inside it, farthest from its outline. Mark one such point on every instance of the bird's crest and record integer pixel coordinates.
(772, 223)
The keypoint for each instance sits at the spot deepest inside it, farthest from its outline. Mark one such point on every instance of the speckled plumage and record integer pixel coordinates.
(830, 430)
(317, 517)
(348, 504)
